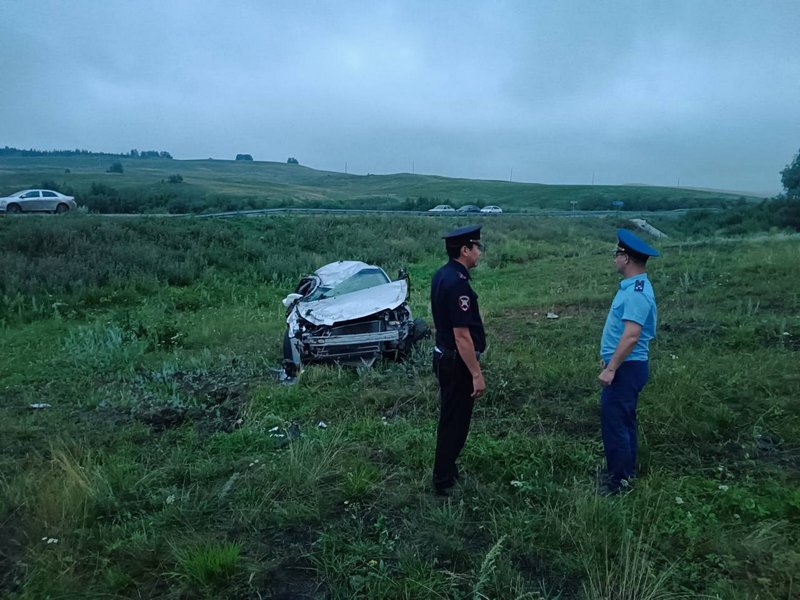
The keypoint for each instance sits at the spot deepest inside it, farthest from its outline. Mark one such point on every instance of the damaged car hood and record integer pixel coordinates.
(354, 305)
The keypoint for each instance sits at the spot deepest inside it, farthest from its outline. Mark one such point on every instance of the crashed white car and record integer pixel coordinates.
(349, 312)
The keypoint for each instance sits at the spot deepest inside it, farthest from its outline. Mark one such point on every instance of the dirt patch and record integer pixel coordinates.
(211, 401)
(293, 579)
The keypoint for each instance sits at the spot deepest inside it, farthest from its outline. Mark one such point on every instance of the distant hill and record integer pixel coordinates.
(150, 185)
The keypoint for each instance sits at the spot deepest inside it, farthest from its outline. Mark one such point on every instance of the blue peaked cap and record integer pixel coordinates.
(630, 241)
(463, 234)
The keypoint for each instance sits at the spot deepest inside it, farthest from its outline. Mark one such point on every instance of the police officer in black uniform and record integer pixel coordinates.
(460, 340)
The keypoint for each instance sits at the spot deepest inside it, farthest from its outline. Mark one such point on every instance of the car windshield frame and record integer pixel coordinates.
(364, 279)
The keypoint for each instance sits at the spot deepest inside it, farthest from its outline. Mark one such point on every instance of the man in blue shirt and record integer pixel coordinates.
(460, 339)
(624, 347)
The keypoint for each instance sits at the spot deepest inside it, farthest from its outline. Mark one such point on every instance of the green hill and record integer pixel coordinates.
(214, 185)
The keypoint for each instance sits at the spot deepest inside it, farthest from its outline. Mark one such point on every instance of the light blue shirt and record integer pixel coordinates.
(635, 301)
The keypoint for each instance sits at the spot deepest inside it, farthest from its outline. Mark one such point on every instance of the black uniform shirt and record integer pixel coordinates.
(454, 304)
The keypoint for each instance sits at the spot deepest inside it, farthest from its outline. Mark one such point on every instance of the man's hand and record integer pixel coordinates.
(606, 377)
(478, 385)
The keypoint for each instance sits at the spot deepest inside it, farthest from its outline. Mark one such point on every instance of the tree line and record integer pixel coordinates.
(9, 151)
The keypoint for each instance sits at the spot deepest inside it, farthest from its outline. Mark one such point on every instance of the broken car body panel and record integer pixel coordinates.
(354, 305)
(348, 311)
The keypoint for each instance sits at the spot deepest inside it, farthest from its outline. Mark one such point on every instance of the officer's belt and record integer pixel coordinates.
(450, 354)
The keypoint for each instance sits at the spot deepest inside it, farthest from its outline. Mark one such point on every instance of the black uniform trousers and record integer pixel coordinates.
(455, 415)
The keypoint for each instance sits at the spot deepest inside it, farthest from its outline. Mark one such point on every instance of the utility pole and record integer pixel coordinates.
(511, 177)
(345, 167)
(412, 168)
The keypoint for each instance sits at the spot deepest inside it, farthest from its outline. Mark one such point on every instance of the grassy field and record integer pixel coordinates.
(220, 185)
(156, 471)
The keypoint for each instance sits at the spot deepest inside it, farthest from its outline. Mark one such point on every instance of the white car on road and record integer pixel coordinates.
(494, 210)
(442, 208)
(37, 201)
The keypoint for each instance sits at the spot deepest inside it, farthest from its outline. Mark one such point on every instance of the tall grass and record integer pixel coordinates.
(164, 465)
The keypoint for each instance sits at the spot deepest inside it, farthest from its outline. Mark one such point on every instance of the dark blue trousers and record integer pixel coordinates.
(455, 383)
(618, 419)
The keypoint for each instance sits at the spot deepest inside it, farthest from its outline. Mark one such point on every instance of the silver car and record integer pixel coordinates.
(37, 201)
(349, 312)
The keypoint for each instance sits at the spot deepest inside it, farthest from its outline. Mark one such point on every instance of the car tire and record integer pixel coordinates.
(62, 208)
(289, 367)
(421, 330)
(13, 208)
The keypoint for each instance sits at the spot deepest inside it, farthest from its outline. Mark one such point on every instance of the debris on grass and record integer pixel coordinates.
(293, 431)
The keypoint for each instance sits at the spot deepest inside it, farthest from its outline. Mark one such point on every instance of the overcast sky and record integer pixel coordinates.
(701, 93)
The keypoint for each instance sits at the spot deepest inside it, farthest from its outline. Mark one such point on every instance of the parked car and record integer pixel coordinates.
(469, 208)
(349, 312)
(37, 201)
(442, 208)
(492, 210)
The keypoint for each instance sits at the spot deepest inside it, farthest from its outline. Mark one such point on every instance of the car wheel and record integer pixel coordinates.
(13, 208)
(62, 208)
(289, 366)
(421, 330)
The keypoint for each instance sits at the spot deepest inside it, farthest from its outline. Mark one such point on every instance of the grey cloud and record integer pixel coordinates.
(651, 92)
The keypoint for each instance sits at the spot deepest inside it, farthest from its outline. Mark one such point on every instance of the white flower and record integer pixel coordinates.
(678, 500)
(673, 356)
(723, 487)
(517, 483)
(170, 499)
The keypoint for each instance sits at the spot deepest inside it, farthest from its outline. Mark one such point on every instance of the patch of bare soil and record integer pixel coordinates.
(293, 579)
(211, 401)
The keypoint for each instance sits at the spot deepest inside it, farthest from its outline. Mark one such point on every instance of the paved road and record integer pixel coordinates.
(537, 214)
(267, 212)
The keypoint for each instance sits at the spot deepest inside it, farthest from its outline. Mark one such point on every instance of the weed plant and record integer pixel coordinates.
(170, 462)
